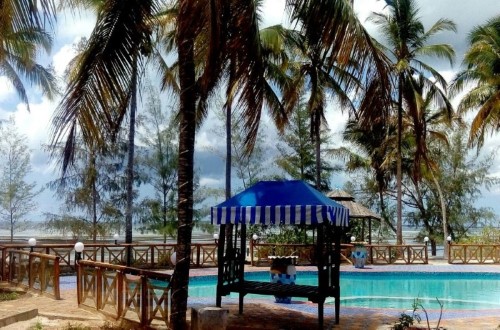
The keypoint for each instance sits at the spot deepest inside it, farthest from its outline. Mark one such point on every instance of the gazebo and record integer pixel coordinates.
(280, 202)
(356, 210)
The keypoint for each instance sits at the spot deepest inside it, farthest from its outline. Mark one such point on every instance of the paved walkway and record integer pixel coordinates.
(262, 313)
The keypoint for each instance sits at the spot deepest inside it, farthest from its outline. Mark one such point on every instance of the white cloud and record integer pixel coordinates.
(6, 89)
(62, 58)
(211, 182)
(71, 25)
(273, 12)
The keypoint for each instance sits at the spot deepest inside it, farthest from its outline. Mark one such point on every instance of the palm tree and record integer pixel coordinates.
(335, 59)
(22, 36)
(112, 110)
(407, 41)
(432, 112)
(375, 144)
(482, 69)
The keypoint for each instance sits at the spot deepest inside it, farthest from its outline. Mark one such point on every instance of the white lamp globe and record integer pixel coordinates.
(353, 238)
(32, 241)
(426, 239)
(448, 238)
(255, 237)
(116, 237)
(173, 258)
(216, 236)
(79, 247)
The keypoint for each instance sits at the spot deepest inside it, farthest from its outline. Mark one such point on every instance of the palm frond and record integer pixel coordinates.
(96, 98)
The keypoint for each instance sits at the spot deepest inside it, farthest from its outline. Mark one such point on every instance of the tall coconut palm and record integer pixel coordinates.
(482, 70)
(340, 58)
(103, 85)
(430, 115)
(23, 34)
(375, 144)
(407, 41)
(233, 36)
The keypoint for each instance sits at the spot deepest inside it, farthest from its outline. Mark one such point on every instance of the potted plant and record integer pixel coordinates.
(359, 253)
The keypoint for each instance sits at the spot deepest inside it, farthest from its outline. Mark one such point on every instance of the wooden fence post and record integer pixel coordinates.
(31, 278)
(144, 300)
(79, 272)
(119, 293)
(98, 288)
(57, 291)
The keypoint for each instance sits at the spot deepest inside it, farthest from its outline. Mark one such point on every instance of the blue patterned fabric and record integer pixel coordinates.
(283, 279)
(280, 202)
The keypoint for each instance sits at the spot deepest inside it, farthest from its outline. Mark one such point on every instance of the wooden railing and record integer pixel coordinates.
(35, 271)
(474, 254)
(149, 255)
(378, 254)
(138, 295)
(393, 254)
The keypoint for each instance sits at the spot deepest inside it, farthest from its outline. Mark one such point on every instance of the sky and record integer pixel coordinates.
(71, 28)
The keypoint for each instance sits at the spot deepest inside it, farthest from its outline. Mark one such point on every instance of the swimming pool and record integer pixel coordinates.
(391, 289)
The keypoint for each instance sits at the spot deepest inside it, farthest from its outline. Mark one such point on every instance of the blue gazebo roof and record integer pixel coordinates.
(280, 202)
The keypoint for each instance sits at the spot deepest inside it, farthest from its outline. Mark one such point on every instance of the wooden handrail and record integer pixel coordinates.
(150, 254)
(108, 289)
(385, 253)
(474, 253)
(36, 271)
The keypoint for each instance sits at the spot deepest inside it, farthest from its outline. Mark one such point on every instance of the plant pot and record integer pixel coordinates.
(359, 255)
(283, 271)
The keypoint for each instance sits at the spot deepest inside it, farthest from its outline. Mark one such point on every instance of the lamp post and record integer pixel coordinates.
(78, 249)
(253, 241)
(448, 239)
(116, 237)
(32, 243)
(426, 240)
(216, 239)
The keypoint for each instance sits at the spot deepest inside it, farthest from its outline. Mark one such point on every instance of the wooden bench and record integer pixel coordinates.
(312, 293)
(276, 289)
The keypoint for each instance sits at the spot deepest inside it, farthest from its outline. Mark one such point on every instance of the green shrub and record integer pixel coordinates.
(77, 326)
(4, 296)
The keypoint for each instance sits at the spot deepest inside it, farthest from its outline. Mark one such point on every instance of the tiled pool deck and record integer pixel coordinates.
(434, 266)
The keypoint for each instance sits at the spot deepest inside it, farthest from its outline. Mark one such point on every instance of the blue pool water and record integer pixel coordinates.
(392, 289)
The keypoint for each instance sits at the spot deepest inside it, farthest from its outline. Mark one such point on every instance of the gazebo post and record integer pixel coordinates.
(241, 268)
(370, 231)
(320, 242)
(221, 247)
(337, 234)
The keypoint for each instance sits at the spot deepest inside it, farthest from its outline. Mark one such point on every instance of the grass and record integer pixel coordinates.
(37, 326)
(5, 296)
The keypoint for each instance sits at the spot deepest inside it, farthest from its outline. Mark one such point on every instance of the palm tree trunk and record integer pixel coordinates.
(180, 280)
(399, 174)
(317, 141)
(229, 110)
(384, 211)
(228, 150)
(443, 213)
(94, 199)
(130, 165)
(164, 215)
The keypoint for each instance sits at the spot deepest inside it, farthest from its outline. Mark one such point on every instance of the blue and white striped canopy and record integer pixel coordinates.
(280, 202)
